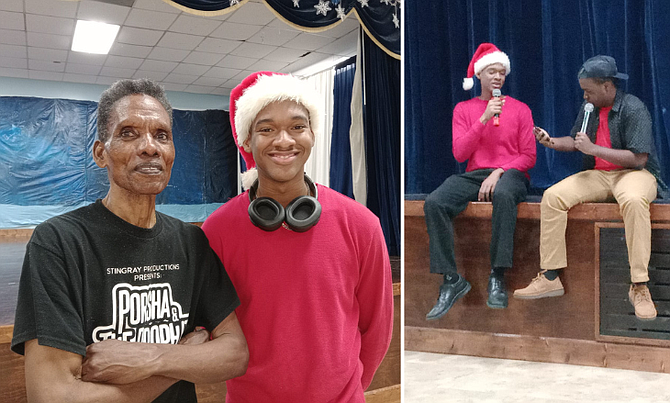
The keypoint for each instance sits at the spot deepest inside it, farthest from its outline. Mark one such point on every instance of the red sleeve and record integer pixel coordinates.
(465, 134)
(525, 160)
(375, 299)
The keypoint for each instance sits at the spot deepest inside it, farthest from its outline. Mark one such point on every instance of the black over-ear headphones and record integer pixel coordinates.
(301, 214)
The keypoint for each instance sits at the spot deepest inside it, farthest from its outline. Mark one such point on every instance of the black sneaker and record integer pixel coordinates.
(449, 293)
(497, 292)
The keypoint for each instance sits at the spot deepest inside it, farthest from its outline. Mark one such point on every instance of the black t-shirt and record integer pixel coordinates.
(88, 276)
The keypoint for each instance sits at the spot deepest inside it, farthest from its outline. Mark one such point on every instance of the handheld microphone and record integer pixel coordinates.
(496, 117)
(588, 108)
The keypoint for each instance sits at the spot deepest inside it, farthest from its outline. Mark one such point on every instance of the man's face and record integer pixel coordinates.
(600, 95)
(139, 152)
(281, 141)
(492, 77)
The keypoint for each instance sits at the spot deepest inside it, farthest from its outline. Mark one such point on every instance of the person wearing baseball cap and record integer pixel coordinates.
(620, 163)
(310, 264)
(494, 134)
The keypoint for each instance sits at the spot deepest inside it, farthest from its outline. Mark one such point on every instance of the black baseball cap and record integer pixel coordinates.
(600, 67)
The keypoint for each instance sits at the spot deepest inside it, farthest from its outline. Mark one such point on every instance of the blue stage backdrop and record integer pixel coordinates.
(547, 41)
(46, 166)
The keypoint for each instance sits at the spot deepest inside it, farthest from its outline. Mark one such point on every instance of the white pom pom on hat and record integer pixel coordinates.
(486, 54)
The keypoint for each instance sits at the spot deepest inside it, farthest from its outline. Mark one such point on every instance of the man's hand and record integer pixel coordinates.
(493, 107)
(584, 144)
(489, 185)
(543, 137)
(118, 362)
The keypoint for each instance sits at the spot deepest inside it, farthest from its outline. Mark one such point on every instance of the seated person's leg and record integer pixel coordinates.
(440, 207)
(510, 190)
(582, 187)
(634, 191)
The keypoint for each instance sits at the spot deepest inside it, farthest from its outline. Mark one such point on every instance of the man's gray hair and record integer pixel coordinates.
(124, 88)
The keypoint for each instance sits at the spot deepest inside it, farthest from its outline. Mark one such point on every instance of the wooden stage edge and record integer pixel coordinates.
(538, 349)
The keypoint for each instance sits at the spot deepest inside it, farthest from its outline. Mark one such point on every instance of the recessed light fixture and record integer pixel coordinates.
(94, 37)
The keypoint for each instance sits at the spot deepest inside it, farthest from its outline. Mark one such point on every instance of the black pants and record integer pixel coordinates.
(452, 197)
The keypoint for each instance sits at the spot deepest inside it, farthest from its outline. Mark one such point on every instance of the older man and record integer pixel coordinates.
(108, 290)
(310, 265)
(619, 164)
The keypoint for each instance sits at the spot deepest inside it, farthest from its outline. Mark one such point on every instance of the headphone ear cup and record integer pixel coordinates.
(266, 213)
(302, 213)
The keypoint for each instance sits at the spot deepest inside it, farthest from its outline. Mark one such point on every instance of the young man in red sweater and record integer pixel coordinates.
(495, 135)
(310, 265)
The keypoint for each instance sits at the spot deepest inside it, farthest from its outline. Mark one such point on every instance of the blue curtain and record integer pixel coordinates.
(382, 139)
(547, 41)
(381, 18)
(340, 146)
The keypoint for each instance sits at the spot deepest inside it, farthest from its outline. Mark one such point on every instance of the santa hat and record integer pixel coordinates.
(255, 93)
(486, 54)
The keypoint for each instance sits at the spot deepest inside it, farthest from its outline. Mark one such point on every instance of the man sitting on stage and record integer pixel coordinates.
(619, 164)
(500, 149)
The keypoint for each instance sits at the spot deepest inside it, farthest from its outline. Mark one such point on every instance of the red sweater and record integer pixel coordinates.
(316, 307)
(510, 145)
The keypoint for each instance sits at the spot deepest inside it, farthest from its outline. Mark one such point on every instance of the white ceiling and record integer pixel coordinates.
(184, 52)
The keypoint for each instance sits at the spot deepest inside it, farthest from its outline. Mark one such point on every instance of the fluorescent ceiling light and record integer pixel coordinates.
(94, 37)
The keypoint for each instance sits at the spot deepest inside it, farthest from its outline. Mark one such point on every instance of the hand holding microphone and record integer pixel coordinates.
(496, 117)
(582, 141)
(493, 109)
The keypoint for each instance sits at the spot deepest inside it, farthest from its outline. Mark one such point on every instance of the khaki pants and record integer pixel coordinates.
(634, 190)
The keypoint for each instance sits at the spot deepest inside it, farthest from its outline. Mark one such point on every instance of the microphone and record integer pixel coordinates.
(588, 108)
(496, 117)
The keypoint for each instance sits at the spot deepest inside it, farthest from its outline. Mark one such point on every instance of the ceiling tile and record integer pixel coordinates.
(76, 68)
(232, 83)
(236, 62)
(221, 91)
(103, 12)
(253, 14)
(203, 58)
(10, 37)
(55, 8)
(341, 29)
(13, 51)
(240, 32)
(155, 5)
(175, 40)
(153, 75)
(12, 5)
(170, 55)
(187, 24)
(222, 73)
(13, 62)
(267, 65)
(49, 41)
(124, 49)
(45, 75)
(158, 65)
(180, 78)
(16, 73)
(80, 78)
(285, 55)
(117, 72)
(345, 46)
(252, 50)
(50, 25)
(174, 87)
(139, 36)
(242, 75)
(123, 62)
(150, 19)
(307, 41)
(221, 46)
(273, 36)
(106, 80)
(199, 89)
(86, 58)
(47, 54)
(10, 20)
(191, 69)
(209, 81)
(303, 62)
(44, 65)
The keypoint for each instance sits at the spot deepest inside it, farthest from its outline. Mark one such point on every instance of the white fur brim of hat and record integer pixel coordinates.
(486, 60)
(275, 88)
